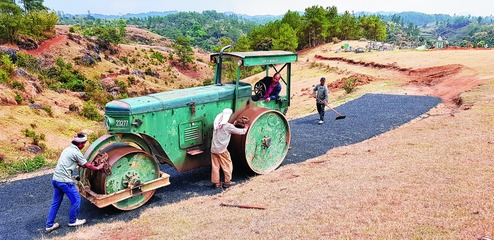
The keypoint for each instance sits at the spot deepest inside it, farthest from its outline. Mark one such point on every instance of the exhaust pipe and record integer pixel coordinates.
(221, 64)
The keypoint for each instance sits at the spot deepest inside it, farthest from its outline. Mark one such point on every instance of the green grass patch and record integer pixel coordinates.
(24, 165)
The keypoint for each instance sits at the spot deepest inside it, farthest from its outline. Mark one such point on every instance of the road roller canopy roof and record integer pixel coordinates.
(258, 57)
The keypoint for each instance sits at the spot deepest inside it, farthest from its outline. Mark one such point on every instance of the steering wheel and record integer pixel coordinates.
(260, 89)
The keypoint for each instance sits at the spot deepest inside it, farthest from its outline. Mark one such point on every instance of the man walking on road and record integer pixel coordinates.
(220, 157)
(322, 98)
(62, 182)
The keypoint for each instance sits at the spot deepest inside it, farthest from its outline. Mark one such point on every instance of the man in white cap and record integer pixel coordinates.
(62, 182)
(220, 157)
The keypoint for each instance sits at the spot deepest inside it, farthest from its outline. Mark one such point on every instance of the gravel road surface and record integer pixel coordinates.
(25, 203)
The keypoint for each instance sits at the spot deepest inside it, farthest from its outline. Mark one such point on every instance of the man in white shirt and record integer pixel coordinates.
(220, 157)
(63, 184)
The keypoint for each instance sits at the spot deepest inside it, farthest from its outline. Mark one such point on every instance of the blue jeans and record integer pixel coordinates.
(59, 189)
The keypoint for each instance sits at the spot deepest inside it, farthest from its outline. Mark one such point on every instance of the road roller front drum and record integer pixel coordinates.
(265, 145)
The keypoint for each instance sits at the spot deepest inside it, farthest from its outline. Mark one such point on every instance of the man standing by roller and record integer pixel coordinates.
(322, 98)
(220, 157)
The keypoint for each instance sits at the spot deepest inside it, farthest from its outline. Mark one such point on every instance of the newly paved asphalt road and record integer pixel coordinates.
(24, 204)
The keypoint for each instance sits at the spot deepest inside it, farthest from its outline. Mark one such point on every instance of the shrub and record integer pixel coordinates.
(349, 85)
(6, 63)
(18, 85)
(28, 62)
(90, 112)
(18, 99)
(148, 71)
(37, 138)
(30, 164)
(124, 59)
(122, 86)
(158, 56)
(73, 108)
(132, 80)
(48, 110)
(4, 77)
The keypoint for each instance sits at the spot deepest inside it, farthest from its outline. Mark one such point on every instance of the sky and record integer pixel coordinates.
(271, 7)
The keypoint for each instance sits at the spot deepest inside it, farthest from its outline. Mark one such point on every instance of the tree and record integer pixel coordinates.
(373, 28)
(242, 44)
(183, 49)
(316, 25)
(286, 38)
(260, 37)
(33, 5)
(294, 20)
(10, 16)
(34, 21)
(348, 27)
(39, 24)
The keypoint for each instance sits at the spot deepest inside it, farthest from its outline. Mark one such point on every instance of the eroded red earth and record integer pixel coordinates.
(446, 82)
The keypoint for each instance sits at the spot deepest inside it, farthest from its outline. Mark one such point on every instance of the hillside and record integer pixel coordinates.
(141, 66)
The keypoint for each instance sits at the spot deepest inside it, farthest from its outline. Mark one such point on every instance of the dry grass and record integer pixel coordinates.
(57, 130)
(429, 179)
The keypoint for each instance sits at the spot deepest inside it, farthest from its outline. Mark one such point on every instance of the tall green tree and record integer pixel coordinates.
(373, 28)
(294, 20)
(33, 5)
(260, 37)
(348, 27)
(242, 45)
(316, 25)
(286, 38)
(39, 24)
(183, 50)
(333, 25)
(10, 20)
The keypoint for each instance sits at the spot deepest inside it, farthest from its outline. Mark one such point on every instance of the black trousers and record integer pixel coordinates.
(320, 110)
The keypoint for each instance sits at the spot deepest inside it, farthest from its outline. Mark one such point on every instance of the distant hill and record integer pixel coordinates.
(206, 28)
(261, 19)
(109, 17)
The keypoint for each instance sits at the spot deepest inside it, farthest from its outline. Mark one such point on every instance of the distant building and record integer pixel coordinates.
(439, 43)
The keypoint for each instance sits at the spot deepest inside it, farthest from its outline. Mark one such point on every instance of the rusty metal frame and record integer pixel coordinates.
(103, 200)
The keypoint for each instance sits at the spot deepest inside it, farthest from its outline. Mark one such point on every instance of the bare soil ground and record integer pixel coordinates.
(429, 179)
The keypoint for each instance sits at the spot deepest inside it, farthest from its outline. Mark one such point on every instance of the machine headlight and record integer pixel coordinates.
(109, 122)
